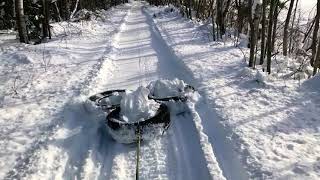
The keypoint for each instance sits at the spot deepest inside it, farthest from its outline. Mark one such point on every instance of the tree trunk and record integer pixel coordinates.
(198, 8)
(75, 9)
(316, 61)
(292, 24)
(286, 32)
(46, 17)
(263, 32)
(190, 9)
(223, 16)
(269, 38)
(275, 23)
(254, 30)
(57, 12)
(240, 17)
(67, 5)
(213, 23)
(21, 22)
(252, 34)
(219, 19)
(315, 35)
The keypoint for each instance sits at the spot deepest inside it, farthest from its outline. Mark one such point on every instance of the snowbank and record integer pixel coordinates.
(274, 126)
(313, 84)
(37, 82)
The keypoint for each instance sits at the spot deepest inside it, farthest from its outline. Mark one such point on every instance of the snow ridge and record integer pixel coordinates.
(51, 155)
(272, 125)
(206, 147)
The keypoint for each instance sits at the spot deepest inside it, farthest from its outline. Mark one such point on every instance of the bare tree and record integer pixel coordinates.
(254, 30)
(292, 24)
(263, 32)
(316, 58)
(269, 37)
(275, 23)
(21, 22)
(213, 23)
(75, 9)
(45, 23)
(315, 34)
(285, 29)
(219, 19)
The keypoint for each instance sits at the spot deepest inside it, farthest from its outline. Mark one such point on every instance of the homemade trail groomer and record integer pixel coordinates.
(143, 114)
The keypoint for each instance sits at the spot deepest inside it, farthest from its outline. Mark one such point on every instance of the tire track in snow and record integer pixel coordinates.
(176, 155)
(61, 150)
(218, 150)
(227, 157)
(153, 154)
(188, 149)
(86, 151)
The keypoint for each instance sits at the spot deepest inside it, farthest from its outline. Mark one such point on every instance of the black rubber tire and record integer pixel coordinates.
(97, 98)
(160, 120)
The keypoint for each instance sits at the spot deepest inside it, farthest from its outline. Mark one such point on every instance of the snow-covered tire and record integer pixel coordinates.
(96, 100)
(90, 107)
(124, 132)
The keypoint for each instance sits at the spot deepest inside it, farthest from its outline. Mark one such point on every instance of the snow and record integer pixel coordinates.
(240, 124)
(313, 84)
(52, 134)
(135, 106)
(34, 98)
(273, 125)
(167, 88)
(129, 135)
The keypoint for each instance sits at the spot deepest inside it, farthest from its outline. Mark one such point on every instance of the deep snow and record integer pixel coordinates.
(38, 85)
(73, 142)
(272, 122)
(242, 124)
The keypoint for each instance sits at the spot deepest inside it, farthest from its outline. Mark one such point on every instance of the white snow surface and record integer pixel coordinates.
(47, 132)
(39, 86)
(135, 106)
(272, 122)
(167, 88)
(243, 124)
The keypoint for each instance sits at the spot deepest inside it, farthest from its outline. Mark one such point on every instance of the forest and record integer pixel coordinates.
(268, 34)
(32, 18)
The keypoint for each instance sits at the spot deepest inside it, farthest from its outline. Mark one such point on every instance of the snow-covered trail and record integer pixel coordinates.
(80, 147)
(139, 57)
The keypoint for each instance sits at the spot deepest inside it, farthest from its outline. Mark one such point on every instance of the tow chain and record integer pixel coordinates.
(138, 152)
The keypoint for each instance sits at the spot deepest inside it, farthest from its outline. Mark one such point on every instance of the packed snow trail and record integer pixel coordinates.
(139, 58)
(80, 148)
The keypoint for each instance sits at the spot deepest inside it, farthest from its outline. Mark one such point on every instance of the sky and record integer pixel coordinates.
(307, 5)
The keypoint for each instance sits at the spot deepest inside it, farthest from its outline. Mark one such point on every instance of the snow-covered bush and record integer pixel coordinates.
(254, 75)
(165, 10)
(83, 15)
